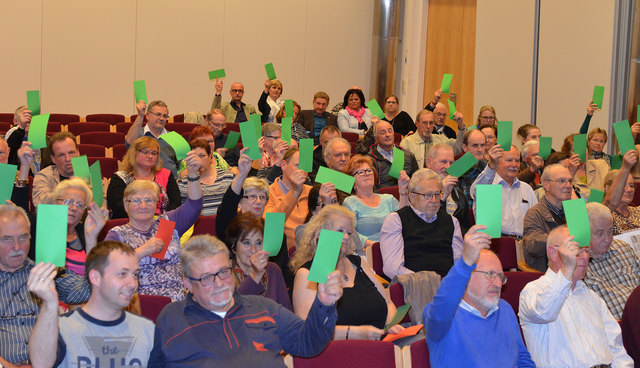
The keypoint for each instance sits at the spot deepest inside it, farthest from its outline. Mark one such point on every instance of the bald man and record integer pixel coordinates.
(382, 154)
(234, 111)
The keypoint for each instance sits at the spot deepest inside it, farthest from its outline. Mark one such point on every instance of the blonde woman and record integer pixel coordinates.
(270, 101)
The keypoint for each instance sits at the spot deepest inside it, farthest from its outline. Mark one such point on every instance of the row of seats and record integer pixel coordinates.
(109, 118)
(95, 126)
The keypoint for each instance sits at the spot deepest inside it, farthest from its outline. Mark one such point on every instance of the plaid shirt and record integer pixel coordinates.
(614, 276)
(465, 181)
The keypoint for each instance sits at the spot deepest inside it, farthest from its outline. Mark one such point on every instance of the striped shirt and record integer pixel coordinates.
(211, 194)
(19, 308)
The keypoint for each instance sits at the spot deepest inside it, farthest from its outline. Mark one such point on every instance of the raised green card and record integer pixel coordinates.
(446, 83)
(401, 311)
(341, 181)
(288, 108)
(257, 124)
(398, 163)
(462, 165)
(638, 114)
(575, 211)
(326, 257)
(273, 232)
(38, 131)
(96, 183)
(51, 234)
(216, 74)
(178, 143)
(140, 90)
(286, 129)
(624, 136)
(505, 132)
(452, 109)
(81, 167)
(544, 147)
(271, 73)
(232, 140)
(249, 139)
(375, 109)
(596, 195)
(33, 102)
(7, 179)
(489, 208)
(616, 162)
(598, 95)
(305, 162)
(580, 146)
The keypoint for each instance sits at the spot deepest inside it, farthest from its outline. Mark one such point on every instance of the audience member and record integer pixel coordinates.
(532, 164)
(337, 153)
(528, 132)
(234, 111)
(382, 154)
(619, 191)
(270, 100)
(440, 116)
(486, 117)
(354, 117)
(212, 311)
(326, 134)
(322, 195)
(217, 161)
(63, 148)
(564, 322)
(491, 133)
(365, 307)
(314, 121)
(420, 142)
(16, 135)
(100, 333)
(591, 109)
(476, 143)
(215, 121)
(298, 131)
(590, 173)
(596, 139)
(421, 236)
(20, 195)
(399, 120)
(437, 95)
(467, 323)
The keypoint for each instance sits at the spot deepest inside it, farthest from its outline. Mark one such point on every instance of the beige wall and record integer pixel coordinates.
(84, 56)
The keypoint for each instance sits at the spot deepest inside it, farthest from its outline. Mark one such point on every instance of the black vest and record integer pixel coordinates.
(427, 247)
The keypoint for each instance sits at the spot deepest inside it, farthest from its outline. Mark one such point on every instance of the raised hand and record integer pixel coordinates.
(437, 96)
(327, 192)
(403, 182)
(244, 162)
(267, 85)
(96, 219)
(141, 106)
(219, 86)
(26, 154)
(193, 164)
(41, 282)
(153, 245)
(447, 185)
(259, 262)
(474, 242)
(495, 153)
(331, 291)
(630, 159)
(537, 163)
(591, 108)
(457, 116)
(568, 252)
(24, 119)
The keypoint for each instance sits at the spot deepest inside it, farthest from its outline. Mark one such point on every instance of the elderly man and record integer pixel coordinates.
(215, 120)
(337, 154)
(238, 330)
(315, 120)
(467, 323)
(235, 111)
(474, 141)
(420, 142)
(421, 236)
(16, 136)
(326, 134)
(614, 270)
(100, 333)
(63, 148)
(157, 115)
(517, 197)
(382, 154)
(532, 164)
(565, 324)
(546, 215)
(19, 308)
(440, 114)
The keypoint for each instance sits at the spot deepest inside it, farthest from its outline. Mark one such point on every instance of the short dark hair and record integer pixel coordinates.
(465, 139)
(330, 128)
(99, 255)
(60, 137)
(240, 227)
(314, 197)
(351, 91)
(290, 152)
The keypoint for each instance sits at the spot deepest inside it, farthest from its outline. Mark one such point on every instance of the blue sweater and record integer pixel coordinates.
(459, 338)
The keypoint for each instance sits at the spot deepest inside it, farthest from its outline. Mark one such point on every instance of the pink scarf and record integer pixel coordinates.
(356, 114)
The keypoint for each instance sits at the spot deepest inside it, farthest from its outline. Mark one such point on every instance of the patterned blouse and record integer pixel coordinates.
(622, 224)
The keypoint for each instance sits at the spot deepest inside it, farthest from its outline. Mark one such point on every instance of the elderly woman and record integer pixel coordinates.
(298, 132)
(596, 139)
(590, 173)
(371, 208)
(203, 132)
(620, 189)
(486, 117)
(365, 307)
(213, 180)
(159, 275)
(400, 120)
(354, 117)
(142, 162)
(270, 101)
(254, 273)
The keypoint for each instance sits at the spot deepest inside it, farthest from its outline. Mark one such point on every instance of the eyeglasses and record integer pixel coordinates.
(253, 197)
(139, 201)
(439, 114)
(271, 136)
(217, 125)
(488, 118)
(392, 102)
(210, 278)
(490, 275)
(11, 240)
(70, 202)
(428, 196)
(147, 152)
(562, 181)
(363, 172)
(237, 91)
(159, 115)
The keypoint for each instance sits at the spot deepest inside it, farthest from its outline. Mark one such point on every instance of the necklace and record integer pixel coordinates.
(344, 273)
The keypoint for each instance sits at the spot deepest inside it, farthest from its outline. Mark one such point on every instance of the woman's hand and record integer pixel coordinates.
(395, 329)
(267, 85)
(153, 245)
(259, 261)
(244, 162)
(193, 164)
(96, 219)
(591, 108)
(366, 332)
(326, 193)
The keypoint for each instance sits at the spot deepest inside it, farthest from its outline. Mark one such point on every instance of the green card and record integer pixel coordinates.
(305, 162)
(96, 183)
(596, 195)
(249, 139)
(446, 83)
(51, 234)
(575, 211)
(401, 311)
(38, 131)
(638, 114)
(140, 90)
(580, 146)
(471, 127)
(598, 95)
(544, 148)
(178, 143)
(342, 181)
(232, 140)
(398, 163)
(271, 73)
(326, 257)
(489, 208)
(33, 102)
(257, 124)
(505, 132)
(375, 109)
(462, 165)
(7, 178)
(288, 108)
(624, 136)
(616, 162)
(216, 74)
(452, 109)
(286, 129)
(81, 167)
(273, 232)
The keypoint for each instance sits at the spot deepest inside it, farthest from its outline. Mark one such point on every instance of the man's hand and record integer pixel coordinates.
(280, 148)
(41, 283)
(244, 162)
(447, 185)
(26, 154)
(436, 97)
(24, 119)
(297, 179)
(591, 108)
(403, 182)
(537, 163)
(331, 291)
(457, 116)
(141, 107)
(219, 86)
(326, 193)
(630, 159)
(568, 252)
(495, 153)
(474, 242)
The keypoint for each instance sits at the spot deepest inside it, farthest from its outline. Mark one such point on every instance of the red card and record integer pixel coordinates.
(164, 233)
(409, 331)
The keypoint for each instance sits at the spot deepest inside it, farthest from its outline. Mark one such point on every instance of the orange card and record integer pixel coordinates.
(409, 331)
(164, 233)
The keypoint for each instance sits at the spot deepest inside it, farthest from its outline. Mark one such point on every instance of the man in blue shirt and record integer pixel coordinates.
(314, 120)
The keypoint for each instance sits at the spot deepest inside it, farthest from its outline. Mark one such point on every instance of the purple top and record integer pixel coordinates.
(161, 276)
(276, 289)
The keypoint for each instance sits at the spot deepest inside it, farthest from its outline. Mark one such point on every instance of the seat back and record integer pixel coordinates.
(107, 118)
(396, 291)
(630, 325)
(94, 150)
(390, 190)
(636, 197)
(78, 128)
(376, 257)
(352, 353)
(350, 136)
(64, 118)
(205, 225)
(119, 150)
(54, 127)
(505, 248)
(107, 139)
(152, 305)
(515, 283)
(420, 354)
(6, 117)
(108, 165)
(123, 127)
(110, 225)
(180, 127)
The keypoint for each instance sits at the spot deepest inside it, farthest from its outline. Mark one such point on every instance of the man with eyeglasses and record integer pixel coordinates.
(234, 111)
(63, 148)
(215, 120)
(440, 114)
(237, 330)
(565, 324)
(546, 215)
(421, 236)
(467, 324)
(157, 115)
(18, 309)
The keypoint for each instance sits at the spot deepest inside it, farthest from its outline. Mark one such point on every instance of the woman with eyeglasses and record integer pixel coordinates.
(619, 190)
(596, 139)
(486, 117)
(254, 273)
(587, 174)
(142, 162)
(369, 207)
(400, 120)
(270, 100)
(160, 272)
(365, 307)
